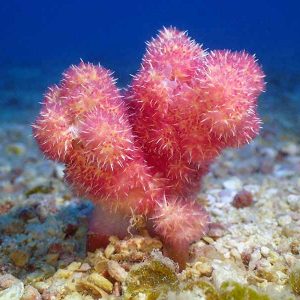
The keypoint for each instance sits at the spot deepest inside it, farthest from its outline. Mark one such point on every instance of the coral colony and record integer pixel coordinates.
(143, 151)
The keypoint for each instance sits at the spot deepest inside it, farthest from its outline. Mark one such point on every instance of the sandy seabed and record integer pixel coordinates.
(43, 226)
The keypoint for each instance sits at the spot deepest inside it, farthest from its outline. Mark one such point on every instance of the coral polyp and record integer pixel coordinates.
(106, 138)
(145, 150)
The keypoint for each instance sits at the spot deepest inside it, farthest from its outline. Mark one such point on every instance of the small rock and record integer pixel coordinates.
(267, 274)
(14, 227)
(225, 196)
(283, 173)
(226, 272)
(236, 254)
(84, 267)
(204, 268)
(270, 153)
(294, 201)
(266, 166)
(55, 248)
(59, 171)
(101, 266)
(290, 149)
(246, 256)
(74, 296)
(31, 293)
(265, 251)
(109, 250)
(242, 199)
(295, 247)
(233, 184)
(7, 280)
(26, 214)
(208, 239)
(252, 188)
(216, 230)
(207, 251)
(19, 258)
(255, 257)
(15, 292)
(270, 193)
(291, 231)
(5, 168)
(46, 207)
(117, 289)
(53, 292)
(74, 266)
(86, 286)
(284, 220)
(116, 271)
(41, 286)
(101, 282)
(5, 207)
(290, 259)
(52, 258)
(70, 230)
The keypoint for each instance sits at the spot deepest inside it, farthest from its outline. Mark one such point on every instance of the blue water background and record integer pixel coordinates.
(39, 39)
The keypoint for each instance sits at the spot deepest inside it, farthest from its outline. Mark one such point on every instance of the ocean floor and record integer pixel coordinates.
(252, 250)
(252, 194)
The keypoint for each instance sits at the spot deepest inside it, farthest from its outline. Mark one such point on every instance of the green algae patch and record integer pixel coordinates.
(40, 189)
(295, 280)
(236, 291)
(16, 149)
(207, 288)
(151, 279)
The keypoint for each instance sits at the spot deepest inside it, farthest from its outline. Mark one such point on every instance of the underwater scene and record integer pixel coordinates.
(149, 150)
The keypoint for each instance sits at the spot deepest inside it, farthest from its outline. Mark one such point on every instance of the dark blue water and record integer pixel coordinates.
(41, 38)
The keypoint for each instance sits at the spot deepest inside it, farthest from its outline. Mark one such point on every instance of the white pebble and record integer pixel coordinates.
(293, 201)
(233, 183)
(15, 292)
(59, 171)
(226, 271)
(290, 259)
(265, 251)
(252, 188)
(284, 220)
(255, 257)
(269, 193)
(235, 253)
(283, 173)
(290, 149)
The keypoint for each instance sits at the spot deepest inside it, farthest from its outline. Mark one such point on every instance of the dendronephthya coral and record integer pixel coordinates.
(144, 151)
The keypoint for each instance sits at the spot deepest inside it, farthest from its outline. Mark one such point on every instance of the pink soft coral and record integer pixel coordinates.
(146, 151)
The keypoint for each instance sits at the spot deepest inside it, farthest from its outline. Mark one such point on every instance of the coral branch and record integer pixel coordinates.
(179, 222)
(230, 84)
